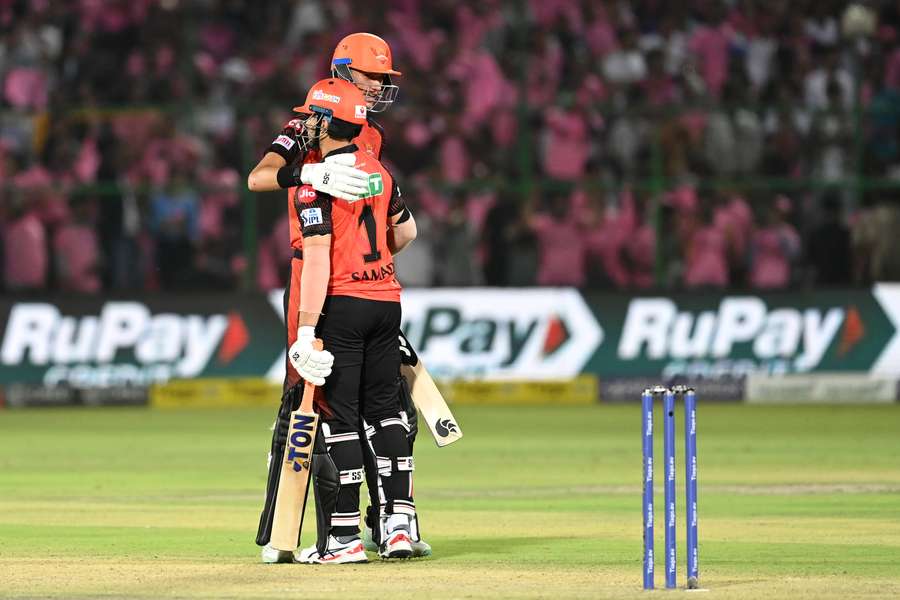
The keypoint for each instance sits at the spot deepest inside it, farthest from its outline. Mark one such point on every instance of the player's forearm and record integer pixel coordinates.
(314, 282)
(271, 179)
(263, 179)
(402, 235)
(273, 173)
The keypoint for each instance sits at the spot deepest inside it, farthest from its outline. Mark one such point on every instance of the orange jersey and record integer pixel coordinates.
(370, 140)
(361, 263)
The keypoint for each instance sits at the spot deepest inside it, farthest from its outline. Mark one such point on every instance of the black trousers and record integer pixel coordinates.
(362, 336)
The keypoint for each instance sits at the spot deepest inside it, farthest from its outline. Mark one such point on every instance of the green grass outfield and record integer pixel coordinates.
(795, 502)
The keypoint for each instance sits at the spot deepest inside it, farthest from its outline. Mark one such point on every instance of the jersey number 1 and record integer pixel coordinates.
(367, 218)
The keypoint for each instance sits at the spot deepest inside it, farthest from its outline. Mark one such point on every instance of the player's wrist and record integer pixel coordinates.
(288, 176)
(307, 324)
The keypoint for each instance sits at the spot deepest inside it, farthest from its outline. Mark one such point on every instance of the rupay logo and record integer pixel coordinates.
(125, 343)
(655, 329)
(531, 334)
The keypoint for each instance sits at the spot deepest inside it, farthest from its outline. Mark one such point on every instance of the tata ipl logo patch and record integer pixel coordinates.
(300, 442)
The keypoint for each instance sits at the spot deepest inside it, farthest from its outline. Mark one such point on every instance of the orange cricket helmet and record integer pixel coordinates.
(364, 52)
(327, 100)
(335, 98)
(367, 53)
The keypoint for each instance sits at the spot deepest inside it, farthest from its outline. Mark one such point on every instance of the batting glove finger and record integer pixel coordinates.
(345, 159)
(348, 196)
(349, 173)
(351, 187)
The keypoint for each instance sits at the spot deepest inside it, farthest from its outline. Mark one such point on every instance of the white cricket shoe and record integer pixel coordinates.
(338, 553)
(271, 556)
(420, 547)
(398, 541)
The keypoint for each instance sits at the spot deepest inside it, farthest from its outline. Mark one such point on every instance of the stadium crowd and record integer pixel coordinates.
(601, 144)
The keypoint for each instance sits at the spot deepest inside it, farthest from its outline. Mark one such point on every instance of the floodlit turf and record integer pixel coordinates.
(795, 502)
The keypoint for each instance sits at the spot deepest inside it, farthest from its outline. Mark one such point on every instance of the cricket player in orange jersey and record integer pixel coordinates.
(350, 297)
(365, 60)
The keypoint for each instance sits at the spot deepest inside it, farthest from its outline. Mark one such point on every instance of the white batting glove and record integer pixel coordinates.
(337, 177)
(312, 365)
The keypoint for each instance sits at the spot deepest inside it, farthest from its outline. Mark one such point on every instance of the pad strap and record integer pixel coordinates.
(352, 477)
(347, 519)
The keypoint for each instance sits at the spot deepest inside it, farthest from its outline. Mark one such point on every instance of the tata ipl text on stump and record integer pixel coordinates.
(690, 461)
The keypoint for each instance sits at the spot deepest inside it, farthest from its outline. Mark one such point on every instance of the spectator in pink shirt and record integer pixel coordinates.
(454, 156)
(773, 248)
(561, 242)
(76, 251)
(706, 253)
(733, 217)
(600, 34)
(640, 253)
(606, 237)
(24, 248)
(565, 146)
(709, 44)
(26, 88)
(474, 21)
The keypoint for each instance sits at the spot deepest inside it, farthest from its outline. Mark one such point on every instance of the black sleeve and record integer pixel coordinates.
(313, 210)
(397, 204)
(287, 144)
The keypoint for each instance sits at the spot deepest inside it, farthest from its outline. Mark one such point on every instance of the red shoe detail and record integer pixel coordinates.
(400, 537)
(355, 550)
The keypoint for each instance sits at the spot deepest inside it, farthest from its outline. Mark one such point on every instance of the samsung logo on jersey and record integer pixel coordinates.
(374, 274)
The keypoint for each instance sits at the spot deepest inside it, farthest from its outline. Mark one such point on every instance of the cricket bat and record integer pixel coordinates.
(431, 404)
(290, 503)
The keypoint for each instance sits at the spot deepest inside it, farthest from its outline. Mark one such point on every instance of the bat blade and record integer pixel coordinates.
(431, 405)
(290, 503)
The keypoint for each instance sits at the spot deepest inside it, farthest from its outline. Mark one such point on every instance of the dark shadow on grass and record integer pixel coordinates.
(497, 547)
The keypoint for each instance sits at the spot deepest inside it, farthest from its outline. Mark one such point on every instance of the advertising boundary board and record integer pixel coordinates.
(713, 341)
(822, 388)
